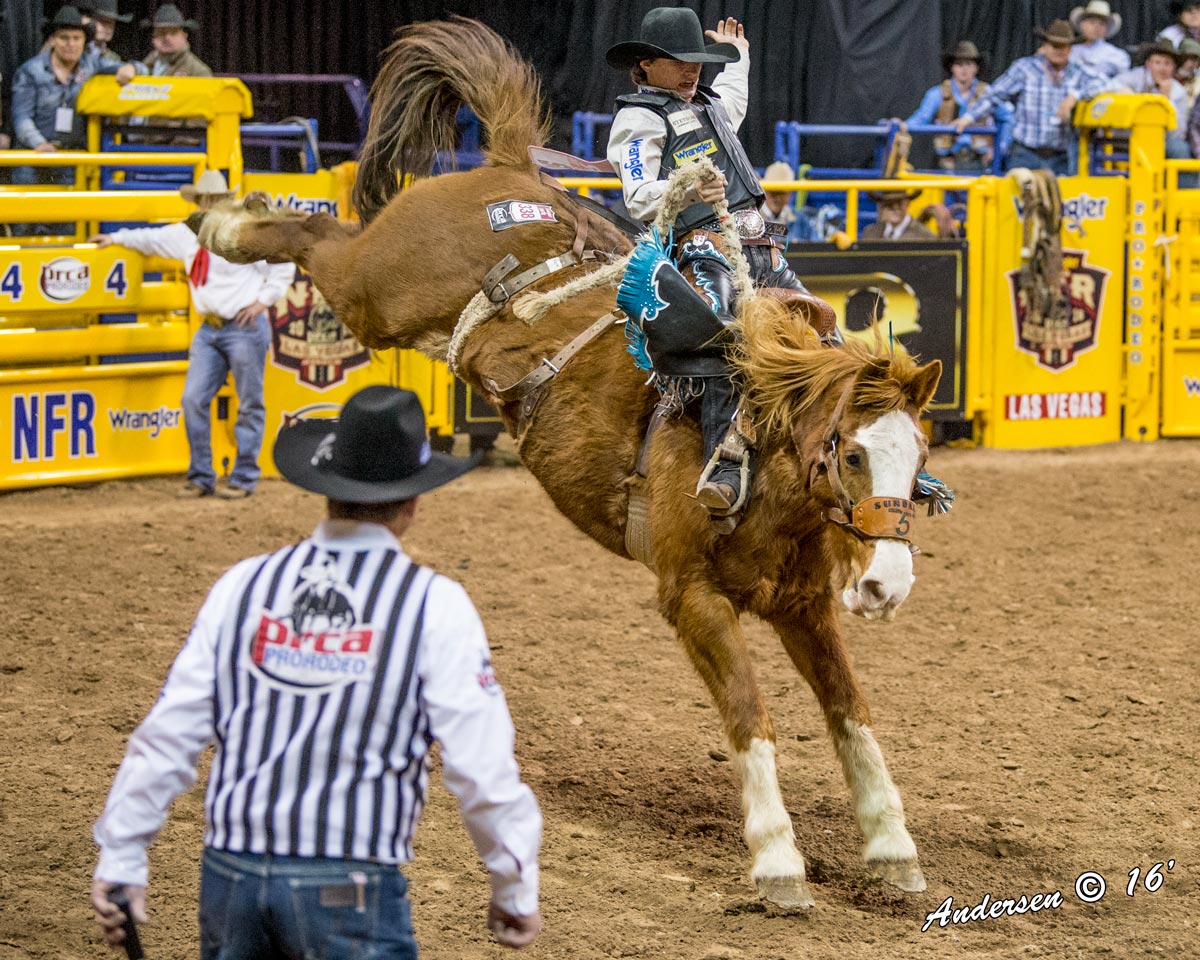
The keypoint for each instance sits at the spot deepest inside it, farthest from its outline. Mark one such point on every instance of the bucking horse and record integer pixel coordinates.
(500, 271)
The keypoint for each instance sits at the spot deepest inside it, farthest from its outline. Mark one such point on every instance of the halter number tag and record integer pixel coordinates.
(512, 213)
(683, 121)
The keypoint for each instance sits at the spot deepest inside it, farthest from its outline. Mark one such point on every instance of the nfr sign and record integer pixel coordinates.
(43, 423)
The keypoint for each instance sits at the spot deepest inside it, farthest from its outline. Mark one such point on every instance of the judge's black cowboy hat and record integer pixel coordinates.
(377, 451)
(963, 50)
(67, 18)
(674, 33)
(168, 15)
(1059, 34)
(106, 9)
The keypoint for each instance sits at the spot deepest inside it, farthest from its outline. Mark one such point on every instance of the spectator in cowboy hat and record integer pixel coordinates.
(43, 99)
(1097, 23)
(172, 55)
(894, 221)
(1187, 22)
(1044, 89)
(1185, 73)
(1159, 61)
(777, 206)
(406, 662)
(232, 299)
(944, 103)
(104, 18)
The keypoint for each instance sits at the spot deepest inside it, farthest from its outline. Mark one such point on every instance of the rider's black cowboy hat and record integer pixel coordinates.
(67, 18)
(674, 33)
(377, 451)
(106, 9)
(168, 15)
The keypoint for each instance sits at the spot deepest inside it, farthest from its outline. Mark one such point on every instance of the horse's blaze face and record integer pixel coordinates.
(880, 458)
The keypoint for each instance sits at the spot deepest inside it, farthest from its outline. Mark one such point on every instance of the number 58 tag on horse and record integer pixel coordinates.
(513, 213)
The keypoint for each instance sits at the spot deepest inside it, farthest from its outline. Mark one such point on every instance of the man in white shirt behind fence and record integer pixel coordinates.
(324, 672)
(233, 299)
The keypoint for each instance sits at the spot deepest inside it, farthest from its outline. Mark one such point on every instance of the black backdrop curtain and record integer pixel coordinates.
(821, 61)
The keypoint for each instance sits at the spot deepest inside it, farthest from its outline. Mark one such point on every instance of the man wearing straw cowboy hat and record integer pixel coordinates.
(172, 55)
(1097, 23)
(324, 672)
(233, 299)
(670, 120)
(1044, 89)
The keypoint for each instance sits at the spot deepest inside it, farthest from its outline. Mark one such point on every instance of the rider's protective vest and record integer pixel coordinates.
(948, 112)
(713, 136)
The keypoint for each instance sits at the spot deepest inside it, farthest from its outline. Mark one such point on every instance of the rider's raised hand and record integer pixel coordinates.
(730, 31)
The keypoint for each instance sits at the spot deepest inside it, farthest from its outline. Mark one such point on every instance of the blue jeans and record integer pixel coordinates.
(1176, 148)
(213, 355)
(259, 907)
(1020, 155)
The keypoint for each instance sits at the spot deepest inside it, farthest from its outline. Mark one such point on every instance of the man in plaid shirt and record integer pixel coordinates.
(1045, 88)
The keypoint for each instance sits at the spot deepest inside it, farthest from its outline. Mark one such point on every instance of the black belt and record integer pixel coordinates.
(1044, 152)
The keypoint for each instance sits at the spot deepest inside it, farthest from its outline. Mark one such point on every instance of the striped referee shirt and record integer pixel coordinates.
(323, 672)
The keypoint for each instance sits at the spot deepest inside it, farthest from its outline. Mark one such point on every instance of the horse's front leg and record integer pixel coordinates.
(813, 639)
(708, 626)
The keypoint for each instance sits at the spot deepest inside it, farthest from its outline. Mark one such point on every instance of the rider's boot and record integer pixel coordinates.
(724, 485)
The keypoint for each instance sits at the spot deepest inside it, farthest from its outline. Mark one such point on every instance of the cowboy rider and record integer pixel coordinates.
(670, 119)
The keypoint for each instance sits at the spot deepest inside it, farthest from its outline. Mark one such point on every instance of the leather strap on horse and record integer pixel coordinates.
(499, 290)
(874, 518)
(637, 514)
(530, 389)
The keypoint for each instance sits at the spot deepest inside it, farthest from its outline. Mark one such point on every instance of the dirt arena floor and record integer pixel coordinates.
(1036, 699)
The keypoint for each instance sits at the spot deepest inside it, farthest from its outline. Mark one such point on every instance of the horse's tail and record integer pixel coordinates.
(429, 71)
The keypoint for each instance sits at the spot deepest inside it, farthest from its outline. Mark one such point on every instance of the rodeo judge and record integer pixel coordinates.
(669, 120)
(233, 299)
(323, 672)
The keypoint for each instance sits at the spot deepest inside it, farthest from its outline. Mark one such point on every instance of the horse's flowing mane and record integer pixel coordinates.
(429, 71)
(785, 369)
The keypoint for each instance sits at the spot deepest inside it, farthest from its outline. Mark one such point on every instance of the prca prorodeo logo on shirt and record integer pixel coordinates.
(319, 644)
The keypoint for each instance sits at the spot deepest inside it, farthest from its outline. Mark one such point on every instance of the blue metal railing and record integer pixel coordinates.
(352, 86)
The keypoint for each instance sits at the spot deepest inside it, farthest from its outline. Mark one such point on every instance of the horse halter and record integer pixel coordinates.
(873, 518)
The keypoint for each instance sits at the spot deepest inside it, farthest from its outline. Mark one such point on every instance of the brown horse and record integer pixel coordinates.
(837, 429)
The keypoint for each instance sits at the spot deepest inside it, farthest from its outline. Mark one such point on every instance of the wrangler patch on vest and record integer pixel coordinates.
(703, 149)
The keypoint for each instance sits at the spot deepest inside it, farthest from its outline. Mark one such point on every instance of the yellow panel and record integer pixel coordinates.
(1064, 387)
(54, 206)
(307, 192)
(92, 423)
(205, 97)
(46, 279)
(31, 347)
(1181, 389)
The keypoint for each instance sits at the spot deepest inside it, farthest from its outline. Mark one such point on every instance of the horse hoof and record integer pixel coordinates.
(788, 893)
(195, 221)
(902, 874)
(257, 202)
